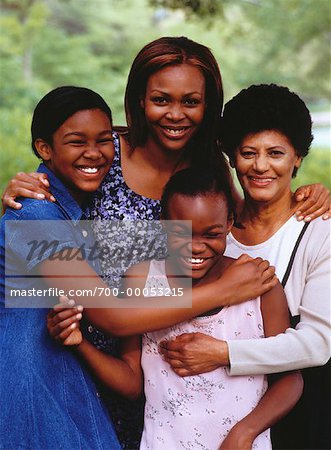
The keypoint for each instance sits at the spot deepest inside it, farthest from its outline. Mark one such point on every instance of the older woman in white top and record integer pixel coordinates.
(266, 132)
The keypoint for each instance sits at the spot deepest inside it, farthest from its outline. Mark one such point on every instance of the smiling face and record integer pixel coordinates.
(264, 163)
(81, 153)
(195, 252)
(174, 105)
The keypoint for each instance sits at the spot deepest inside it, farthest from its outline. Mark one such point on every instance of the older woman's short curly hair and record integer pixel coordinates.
(266, 107)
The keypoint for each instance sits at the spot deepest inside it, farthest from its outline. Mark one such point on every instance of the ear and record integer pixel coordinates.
(142, 103)
(298, 161)
(44, 149)
(229, 224)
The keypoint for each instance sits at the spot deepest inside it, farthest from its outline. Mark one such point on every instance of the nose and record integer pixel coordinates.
(197, 247)
(93, 152)
(261, 163)
(175, 112)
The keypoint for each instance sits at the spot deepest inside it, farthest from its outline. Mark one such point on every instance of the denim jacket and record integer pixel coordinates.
(48, 399)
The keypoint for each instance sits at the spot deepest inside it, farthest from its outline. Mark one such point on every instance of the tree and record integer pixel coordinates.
(284, 41)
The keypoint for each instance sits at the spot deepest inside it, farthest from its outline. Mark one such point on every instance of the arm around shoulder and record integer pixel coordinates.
(307, 345)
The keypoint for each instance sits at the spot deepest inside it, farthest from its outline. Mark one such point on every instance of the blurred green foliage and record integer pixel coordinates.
(47, 43)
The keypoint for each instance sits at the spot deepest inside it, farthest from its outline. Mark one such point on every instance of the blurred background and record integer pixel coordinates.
(48, 43)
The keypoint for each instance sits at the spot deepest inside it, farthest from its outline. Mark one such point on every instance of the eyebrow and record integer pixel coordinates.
(217, 225)
(78, 133)
(166, 93)
(268, 148)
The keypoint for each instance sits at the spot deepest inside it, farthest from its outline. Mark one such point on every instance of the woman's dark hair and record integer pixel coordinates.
(174, 51)
(60, 104)
(266, 107)
(194, 182)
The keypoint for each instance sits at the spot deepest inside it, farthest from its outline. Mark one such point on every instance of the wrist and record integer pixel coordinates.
(213, 295)
(222, 353)
(80, 348)
(246, 433)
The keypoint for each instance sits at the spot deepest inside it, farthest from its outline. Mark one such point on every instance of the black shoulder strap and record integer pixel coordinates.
(290, 263)
(294, 319)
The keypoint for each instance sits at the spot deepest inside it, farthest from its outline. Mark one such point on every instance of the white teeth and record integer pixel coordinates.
(261, 180)
(175, 132)
(195, 260)
(89, 169)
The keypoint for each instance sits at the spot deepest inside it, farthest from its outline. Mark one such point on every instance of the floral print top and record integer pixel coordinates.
(197, 412)
(128, 231)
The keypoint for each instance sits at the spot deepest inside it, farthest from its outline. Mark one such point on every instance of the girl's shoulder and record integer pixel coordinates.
(33, 209)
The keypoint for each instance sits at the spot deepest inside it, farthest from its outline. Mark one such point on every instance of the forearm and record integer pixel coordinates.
(307, 346)
(242, 280)
(112, 372)
(276, 403)
(134, 315)
(131, 320)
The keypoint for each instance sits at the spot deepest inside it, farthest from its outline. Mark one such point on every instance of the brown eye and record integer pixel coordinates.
(191, 101)
(277, 153)
(214, 235)
(247, 154)
(159, 100)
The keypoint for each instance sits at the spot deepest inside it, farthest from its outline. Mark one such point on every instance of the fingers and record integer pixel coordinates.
(310, 209)
(182, 372)
(42, 177)
(179, 367)
(170, 354)
(33, 185)
(65, 333)
(176, 343)
(269, 274)
(327, 215)
(302, 192)
(244, 258)
(63, 320)
(60, 311)
(31, 190)
(317, 203)
(175, 363)
(312, 214)
(262, 263)
(10, 202)
(64, 300)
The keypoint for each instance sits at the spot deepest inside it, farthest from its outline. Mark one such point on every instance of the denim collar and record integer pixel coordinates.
(62, 195)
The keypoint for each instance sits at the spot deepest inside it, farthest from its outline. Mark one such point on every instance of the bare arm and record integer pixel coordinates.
(283, 393)
(122, 375)
(242, 280)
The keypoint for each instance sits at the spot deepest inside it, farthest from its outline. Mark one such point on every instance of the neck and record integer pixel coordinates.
(268, 212)
(261, 220)
(161, 159)
(81, 197)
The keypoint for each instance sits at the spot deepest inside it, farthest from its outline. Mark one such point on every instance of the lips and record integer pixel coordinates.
(195, 263)
(90, 171)
(260, 181)
(175, 132)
